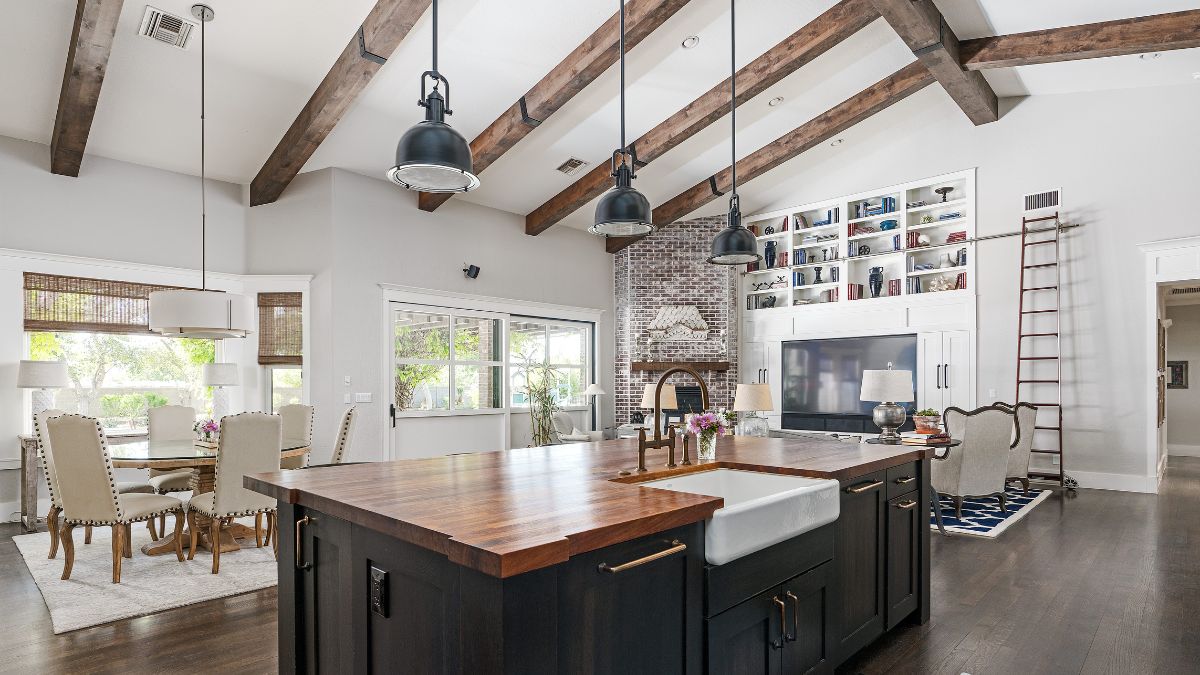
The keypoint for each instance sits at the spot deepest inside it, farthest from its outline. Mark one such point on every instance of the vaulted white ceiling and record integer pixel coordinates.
(267, 56)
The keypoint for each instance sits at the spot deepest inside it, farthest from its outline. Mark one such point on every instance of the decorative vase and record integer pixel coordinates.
(769, 254)
(817, 279)
(945, 262)
(875, 280)
(706, 445)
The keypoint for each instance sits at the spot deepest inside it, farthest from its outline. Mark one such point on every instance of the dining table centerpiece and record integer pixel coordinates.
(206, 433)
(707, 426)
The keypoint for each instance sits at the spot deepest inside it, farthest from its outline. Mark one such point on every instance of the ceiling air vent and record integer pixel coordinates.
(1042, 200)
(1185, 291)
(168, 28)
(572, 166)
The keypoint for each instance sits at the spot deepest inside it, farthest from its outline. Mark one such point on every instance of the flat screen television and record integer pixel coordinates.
(821, 379)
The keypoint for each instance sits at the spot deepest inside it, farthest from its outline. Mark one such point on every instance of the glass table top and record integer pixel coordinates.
(148, 451)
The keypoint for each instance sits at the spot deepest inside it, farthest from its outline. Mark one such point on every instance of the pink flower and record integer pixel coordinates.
(707, 423)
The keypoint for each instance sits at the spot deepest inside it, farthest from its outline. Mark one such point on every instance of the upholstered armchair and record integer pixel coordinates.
(88, 492)
(345, 435)
(297, 425)
(249, 443)
(1022, 444)
(977, 467)
(565, 431)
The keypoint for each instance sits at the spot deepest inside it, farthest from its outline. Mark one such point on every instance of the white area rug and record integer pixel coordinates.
(148, 584)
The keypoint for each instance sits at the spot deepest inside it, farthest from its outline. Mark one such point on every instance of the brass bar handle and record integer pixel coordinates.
(676, 547)
(904, 480)
(865, 487)
(300, 564)
(795, 616)
(778, 644)
(906, 504)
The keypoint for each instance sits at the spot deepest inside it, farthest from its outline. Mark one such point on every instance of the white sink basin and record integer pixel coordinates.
(761, 509)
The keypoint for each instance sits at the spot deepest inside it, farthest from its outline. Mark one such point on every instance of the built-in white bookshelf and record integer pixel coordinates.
(918, 238)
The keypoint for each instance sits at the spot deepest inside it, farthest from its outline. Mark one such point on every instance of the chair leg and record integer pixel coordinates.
(118, 550)
(153, 532)
(214, 539)
(178, 534)
(68, 544)
(194, 532)
(268, 537)
(1003, 498)
(258, 531)
(162, 523)
(1025, 484)
(52, 525)
(87, 534)
(937, 512)
(127, 540)
(958, 507)
(272, 526)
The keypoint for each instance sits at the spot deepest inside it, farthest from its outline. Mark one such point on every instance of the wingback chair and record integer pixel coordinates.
(345, 435)
(88, 491)
(249, 443)
(1022, 444)
(978, 467)
(297, 425)
(564, 429)
(171, 423)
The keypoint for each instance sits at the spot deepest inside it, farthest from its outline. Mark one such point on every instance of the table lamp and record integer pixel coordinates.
(889, 387)
(593, 390)
(42, 377)
(753, 398)
(667, 402)
(218, 376)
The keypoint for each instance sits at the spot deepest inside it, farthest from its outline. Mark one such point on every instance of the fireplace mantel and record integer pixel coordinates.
(659, 366)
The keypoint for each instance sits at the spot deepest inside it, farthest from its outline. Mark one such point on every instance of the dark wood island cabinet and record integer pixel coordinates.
(545, 561)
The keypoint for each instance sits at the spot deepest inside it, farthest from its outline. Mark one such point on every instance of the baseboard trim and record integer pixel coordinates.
(1121, 482)
(1183, 450)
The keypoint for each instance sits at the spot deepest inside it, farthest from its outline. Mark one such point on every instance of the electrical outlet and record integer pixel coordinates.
(346, 380)
(363, 398)
(379, 603)
(991, 394)
(1054, 460)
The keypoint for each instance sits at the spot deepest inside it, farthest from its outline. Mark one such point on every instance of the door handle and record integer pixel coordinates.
(392, 412)
(778, 644)
(676, 547)
(946, 374)
(939, 376)
(300, 564)
(905, 480)
(864, 487)
(795, 617)
(906, 504)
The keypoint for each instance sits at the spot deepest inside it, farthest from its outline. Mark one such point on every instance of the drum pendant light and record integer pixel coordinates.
(200, 313)
(432, 156)
(622, 211)
(734, 245)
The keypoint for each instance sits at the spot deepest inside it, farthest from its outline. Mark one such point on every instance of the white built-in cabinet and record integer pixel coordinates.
(762, 362)
(944, 364)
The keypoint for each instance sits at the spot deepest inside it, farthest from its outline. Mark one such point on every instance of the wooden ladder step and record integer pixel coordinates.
(1039, 358)
(1039, 381)
(1038, 311)
(1045, 474)
(1048, 405)
(1047, 428)
(1025, 335)
(1035, 243)
(1043, 218)
(1045, 452)
(1040, 288)
(1040, 265)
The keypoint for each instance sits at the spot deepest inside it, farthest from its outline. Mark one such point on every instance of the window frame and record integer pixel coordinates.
(588, 365)
(269, 383)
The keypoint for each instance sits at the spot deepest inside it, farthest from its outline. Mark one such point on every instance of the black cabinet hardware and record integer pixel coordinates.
(791, 637)
(300, 564)
(778, 644)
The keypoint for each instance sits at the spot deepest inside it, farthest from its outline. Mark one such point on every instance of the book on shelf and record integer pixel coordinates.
(854, 291)
(960, 281)
(753, 229)
(783, 227)
(893, 287)
(914, 285)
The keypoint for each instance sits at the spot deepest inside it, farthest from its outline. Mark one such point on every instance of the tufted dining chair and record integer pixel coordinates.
(977, 467)
(1022, 445)
(249, 443)
(171, 423)
(345, 435)
(297, 425)
(88, 490)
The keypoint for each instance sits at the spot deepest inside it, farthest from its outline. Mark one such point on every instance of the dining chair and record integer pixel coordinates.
(249, 443)
(297, 425)
(345, 435)
(88, 492)
(171, 423)
(977, 467)
(1022, 445)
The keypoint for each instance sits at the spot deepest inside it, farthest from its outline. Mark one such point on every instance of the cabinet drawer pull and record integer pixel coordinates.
(778, 644)
(905, 480)
(864, 487)
(906, 504)
(300, 564)
(795, 617)
(676, 547)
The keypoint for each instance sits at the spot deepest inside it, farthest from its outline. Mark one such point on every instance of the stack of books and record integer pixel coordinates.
(914, 438)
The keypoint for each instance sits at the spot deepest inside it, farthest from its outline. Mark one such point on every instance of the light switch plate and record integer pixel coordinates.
(363, 398)
(991, 394)
(348, 398)
(347, 380)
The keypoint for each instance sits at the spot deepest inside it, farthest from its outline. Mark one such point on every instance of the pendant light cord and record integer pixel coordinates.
(435, 24)
(203, 191)
(733, 93)
(624, 148)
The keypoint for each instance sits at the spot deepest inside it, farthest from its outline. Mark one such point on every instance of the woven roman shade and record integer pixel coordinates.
(280, 329)
(59, 303)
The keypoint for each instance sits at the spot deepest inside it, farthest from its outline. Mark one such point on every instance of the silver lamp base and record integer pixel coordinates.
(889, 417)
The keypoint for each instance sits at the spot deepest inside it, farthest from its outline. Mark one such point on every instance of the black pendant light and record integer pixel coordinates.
(432, 156)
(734, 245)
(622, 211)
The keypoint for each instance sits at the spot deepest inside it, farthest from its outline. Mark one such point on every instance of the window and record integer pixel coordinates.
(447, 360)
(285, 386)
(560, 349)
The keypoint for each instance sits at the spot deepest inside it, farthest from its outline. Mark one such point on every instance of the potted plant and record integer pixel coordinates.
(707, 426)
(928, 421)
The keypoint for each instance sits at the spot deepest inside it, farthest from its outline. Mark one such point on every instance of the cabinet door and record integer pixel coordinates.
(774, 368)
(956, 369)
(752, 368)
(904, 515)
(748, 638)
(809, 638)
(323, 605)
(929, 371)
(859, 556)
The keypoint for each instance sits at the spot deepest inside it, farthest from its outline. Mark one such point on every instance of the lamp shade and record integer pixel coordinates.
(433, 157)
(622, 212)
(593, 389)
(668, 397)
(199, 314)
(734, 245)
(752, 398)
(219, 375)
(891, 386)
(43, 375)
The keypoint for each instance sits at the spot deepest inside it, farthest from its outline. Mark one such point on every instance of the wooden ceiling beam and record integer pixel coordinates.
(817, 37)
(1140, 35)
(87, 60)
(879, 96)
(924, 30)
(579, 69)
(386, 26)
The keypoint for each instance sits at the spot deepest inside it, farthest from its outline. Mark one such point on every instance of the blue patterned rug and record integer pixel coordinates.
(982, 517)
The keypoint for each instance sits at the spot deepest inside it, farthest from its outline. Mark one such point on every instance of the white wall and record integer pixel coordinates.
(1125, 162)
(1183, 405)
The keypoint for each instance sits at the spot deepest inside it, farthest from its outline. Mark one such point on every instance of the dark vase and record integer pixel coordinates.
(875, 280)
(817, 279)
(769, 254)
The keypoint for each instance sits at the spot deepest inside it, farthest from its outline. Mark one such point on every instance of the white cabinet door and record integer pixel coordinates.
(774, 367)
(956, 369)
(752, 368)
(929, 371)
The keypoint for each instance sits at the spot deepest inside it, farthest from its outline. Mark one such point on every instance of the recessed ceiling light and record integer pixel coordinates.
(775, 101)
(690, 41)
(1149, 57)
(835, 142)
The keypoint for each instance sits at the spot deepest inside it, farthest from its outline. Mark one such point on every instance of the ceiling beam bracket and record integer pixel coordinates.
(712, 185)
(940, 44)
(637, 163)
(364, 52)
(531, 121)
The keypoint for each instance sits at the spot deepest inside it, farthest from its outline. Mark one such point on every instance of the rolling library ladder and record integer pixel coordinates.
(1041, 345)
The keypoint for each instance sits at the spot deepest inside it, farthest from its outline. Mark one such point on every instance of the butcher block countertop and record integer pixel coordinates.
(505, 513)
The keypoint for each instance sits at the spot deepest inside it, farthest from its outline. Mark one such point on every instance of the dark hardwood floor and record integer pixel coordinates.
(1103, 582)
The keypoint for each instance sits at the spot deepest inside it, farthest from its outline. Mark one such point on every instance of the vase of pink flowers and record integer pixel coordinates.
(707, 426)
(206, 430)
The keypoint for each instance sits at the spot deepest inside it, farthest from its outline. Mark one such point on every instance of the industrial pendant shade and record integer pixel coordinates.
(734, 245)
(200, 313)
(622, 211)
(432, 156)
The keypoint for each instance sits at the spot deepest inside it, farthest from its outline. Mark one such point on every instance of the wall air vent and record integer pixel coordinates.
(572, 166)
(1190, 290)
(167, 28)
(1042, 200)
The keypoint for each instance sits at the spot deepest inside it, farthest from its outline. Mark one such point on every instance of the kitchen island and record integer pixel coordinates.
(519, 562)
